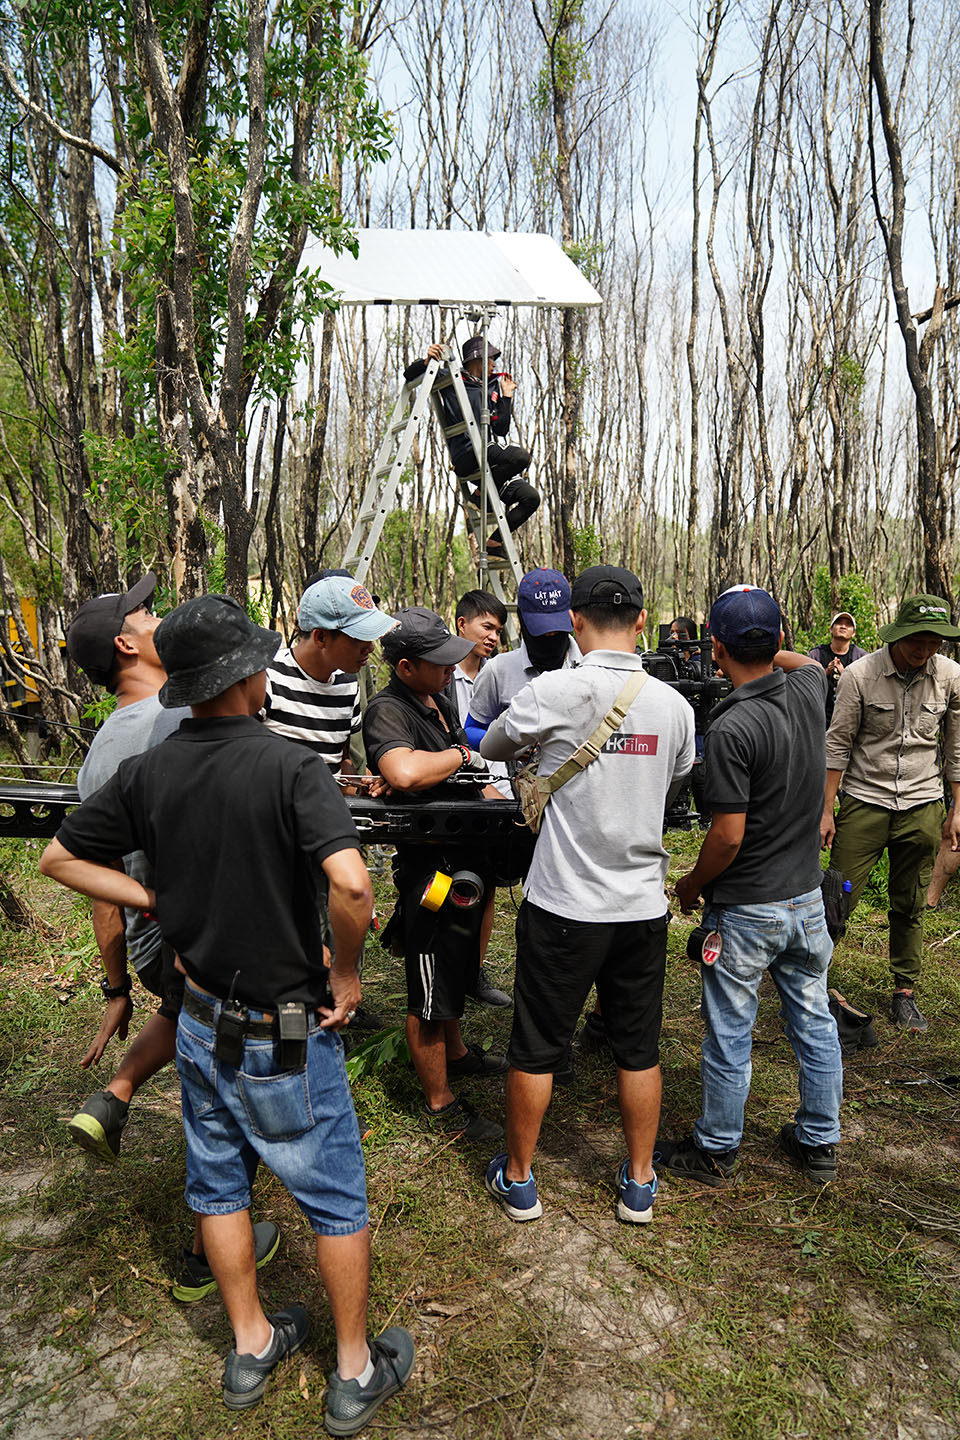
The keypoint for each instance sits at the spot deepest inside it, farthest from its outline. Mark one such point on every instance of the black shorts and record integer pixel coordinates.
(161, 977)
(441, 948)
(557, 962)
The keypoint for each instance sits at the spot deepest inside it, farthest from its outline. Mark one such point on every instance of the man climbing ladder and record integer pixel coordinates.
(505, 462)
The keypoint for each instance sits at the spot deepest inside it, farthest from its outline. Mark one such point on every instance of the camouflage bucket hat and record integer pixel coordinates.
(206, 645)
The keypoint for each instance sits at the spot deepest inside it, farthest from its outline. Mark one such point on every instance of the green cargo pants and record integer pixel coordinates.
(911, 839)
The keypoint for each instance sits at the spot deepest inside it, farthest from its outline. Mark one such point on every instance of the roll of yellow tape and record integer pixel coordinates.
(437, 891)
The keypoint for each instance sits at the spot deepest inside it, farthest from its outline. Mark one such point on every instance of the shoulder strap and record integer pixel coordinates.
(591, 748)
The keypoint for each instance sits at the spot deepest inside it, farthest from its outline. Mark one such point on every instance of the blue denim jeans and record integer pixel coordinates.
(789, 938)
(301, 1123)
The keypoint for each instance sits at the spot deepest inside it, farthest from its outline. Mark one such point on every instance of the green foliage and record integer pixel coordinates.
(376, 1053)
(848, 378)
(256, 606)
(566, 62)
(586, 255)
(853, 594)
(587, 546)
(98, 709)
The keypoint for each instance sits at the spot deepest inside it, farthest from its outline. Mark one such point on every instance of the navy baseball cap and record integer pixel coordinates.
(543, 602)
(96, 625)
(338, 603)
(420, 634)
(745, 615)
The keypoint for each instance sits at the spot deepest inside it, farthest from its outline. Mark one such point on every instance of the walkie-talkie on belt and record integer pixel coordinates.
(292, 1019)
(231, 1028)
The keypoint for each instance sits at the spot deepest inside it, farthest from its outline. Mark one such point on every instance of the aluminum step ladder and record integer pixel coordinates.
(380, 495)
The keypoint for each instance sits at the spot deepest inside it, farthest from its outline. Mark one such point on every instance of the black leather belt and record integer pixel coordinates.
(203, 1011)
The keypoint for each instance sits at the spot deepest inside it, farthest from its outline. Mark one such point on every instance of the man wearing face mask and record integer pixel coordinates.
(543, 606)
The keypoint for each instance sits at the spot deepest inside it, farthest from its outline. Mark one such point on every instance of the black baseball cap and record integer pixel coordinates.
(92, 631)
(420, 634)
(208, 644)
(606, 585)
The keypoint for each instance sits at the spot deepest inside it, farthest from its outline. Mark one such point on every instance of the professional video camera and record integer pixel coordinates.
(686, 665)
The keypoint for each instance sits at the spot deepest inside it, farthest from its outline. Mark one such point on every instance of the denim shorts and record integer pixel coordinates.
(300, 1123)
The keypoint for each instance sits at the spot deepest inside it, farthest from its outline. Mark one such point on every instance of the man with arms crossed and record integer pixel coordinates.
(599, 854)
(241, 828)
(759, 871)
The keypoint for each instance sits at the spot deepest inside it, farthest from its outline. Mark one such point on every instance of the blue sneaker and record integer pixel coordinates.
(520, 1201)
(635, 1202)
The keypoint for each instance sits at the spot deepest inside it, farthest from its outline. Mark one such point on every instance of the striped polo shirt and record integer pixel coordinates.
(321, 714)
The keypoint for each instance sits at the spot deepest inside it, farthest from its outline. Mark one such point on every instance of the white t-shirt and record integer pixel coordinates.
(600, 854)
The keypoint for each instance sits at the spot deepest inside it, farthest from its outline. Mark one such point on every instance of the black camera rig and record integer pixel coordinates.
(686, 665)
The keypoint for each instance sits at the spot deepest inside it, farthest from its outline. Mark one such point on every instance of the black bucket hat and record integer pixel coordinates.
(206, 645)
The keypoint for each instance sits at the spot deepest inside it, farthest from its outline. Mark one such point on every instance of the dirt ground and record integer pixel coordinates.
(768, 1308)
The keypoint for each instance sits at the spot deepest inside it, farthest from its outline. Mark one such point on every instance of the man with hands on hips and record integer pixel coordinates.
(244, 831)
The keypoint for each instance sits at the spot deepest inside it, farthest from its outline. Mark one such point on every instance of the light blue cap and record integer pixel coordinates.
(339, 603)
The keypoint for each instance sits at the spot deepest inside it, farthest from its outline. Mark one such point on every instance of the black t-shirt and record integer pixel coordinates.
(233, 820)
(765, 756)
(396, 718)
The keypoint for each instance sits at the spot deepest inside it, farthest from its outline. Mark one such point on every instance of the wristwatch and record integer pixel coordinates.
(114, 992)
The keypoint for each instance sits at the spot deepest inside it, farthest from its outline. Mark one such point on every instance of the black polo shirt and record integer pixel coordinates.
(396, 718)
(233, 820)
(765, 756)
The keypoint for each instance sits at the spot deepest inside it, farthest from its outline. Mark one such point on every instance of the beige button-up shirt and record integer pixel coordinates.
(886, 732)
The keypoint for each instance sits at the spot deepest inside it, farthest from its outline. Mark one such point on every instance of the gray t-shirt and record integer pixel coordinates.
(600, 854)
(503, 676)
(129, 731)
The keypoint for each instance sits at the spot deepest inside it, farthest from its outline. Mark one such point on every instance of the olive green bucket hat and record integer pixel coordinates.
(921, 614)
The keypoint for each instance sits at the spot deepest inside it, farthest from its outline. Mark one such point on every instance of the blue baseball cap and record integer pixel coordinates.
(745, 615)
(543, 602)
(338, 603)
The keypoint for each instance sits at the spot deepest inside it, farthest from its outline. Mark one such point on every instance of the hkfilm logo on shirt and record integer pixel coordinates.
(621, 744)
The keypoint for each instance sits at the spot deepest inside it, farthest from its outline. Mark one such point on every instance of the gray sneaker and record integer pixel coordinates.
(351, 1405)
(245, 1376)
(487, 993)
(905, 1013)
(97, 1127)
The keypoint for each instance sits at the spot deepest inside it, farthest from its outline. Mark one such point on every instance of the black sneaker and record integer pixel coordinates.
(477, 1062)
(685, 1157)
(816, 1162)
(245, 1376)
(351, 1405)
(193, 1278)
(905, 1013)
(459, 1118)
(367, 1021)
(593, 1034)
(854, 1027)
(97, 1127)
(487, 993)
